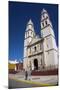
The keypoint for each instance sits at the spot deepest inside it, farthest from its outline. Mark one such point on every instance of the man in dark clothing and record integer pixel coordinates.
(26, 75)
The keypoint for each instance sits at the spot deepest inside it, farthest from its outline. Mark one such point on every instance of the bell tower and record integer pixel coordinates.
(49, 44)
(29, 34)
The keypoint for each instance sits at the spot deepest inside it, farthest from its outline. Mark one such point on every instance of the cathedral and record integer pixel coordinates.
(40, 52)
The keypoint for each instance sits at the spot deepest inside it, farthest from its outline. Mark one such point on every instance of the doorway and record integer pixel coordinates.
(35, 64)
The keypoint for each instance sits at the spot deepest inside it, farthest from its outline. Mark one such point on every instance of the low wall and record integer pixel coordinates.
(47, 72)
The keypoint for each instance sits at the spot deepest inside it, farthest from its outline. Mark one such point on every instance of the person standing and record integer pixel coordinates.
(26, 75)
(29, 75)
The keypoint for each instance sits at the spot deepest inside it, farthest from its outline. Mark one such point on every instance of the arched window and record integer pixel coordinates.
(46, 22)
(43, 24)
(35, 48)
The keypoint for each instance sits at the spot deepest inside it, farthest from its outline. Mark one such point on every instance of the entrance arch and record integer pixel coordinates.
(35, 64)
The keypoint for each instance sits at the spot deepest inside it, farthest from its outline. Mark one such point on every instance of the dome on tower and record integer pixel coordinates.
(30, 22)
(43, 11)
(44, 14)
(30, 25)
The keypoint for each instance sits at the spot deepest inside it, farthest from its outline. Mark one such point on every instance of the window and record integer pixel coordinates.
(46, 22)
(43, 24)
(35, 48)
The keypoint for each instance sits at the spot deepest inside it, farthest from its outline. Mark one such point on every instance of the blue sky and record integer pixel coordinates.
(19, 15)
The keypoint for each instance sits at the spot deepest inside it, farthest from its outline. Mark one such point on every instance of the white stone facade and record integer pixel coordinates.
(40, 52)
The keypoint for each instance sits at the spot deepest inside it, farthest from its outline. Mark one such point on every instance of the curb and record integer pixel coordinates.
(32, 82)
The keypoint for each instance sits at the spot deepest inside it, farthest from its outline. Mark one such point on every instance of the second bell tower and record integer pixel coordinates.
(49, 44)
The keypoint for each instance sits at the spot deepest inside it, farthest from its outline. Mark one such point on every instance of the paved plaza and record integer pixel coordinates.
(19, 84)
(19, 80)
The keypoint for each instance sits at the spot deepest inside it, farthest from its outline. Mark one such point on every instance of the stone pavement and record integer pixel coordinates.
(52, 79)
(46, 79)
(19, 84)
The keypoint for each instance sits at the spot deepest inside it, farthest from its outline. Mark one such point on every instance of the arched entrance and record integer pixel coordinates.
(35, 64)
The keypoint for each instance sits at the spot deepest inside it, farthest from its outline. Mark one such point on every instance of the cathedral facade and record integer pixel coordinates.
(40, 51)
